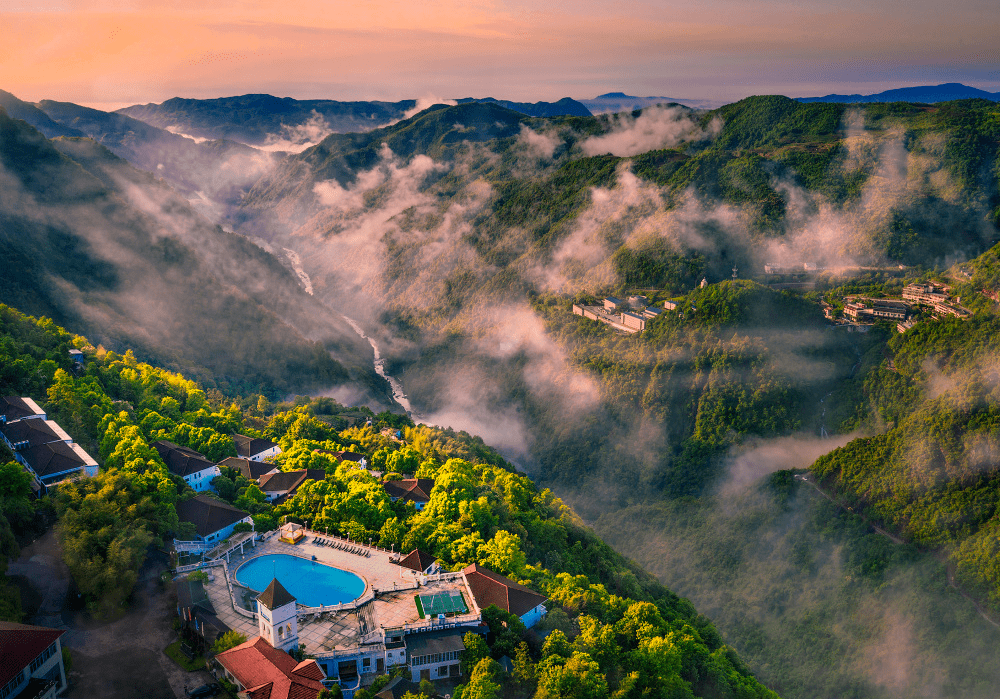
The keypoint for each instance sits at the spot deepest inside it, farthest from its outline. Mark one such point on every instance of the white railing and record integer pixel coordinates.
(183, 546)
(434, 624)
(198, 565)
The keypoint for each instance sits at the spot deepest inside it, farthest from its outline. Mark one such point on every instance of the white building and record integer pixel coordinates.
(255, 448)
(277, 622)
(31, 662)
(197, 471)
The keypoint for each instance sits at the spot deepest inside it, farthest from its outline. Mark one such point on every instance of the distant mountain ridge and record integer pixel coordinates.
(927, 94)
(564, 107)
(622, 102)
(257, 119)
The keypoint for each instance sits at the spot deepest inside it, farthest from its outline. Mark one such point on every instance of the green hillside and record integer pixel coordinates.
(613, 629)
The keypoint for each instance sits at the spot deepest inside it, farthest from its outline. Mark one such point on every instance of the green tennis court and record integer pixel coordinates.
(450, 602)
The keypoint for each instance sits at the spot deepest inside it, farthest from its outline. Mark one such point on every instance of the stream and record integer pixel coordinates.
(395, 384)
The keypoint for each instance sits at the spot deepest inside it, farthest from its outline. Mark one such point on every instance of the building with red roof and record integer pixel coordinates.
(419, 561)
(489, 588)
(415, 490)
(261, 671)
(31, 662)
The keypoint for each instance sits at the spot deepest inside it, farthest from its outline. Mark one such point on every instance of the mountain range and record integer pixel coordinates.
(926, 94)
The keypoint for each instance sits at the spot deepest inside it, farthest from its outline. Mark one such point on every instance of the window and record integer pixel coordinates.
(367, 662)
(288, 629)
(281, 632)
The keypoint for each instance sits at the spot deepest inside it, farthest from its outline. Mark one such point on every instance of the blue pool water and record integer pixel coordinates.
(311, 583)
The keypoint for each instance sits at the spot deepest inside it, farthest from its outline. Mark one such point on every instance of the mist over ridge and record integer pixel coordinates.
(460, 235)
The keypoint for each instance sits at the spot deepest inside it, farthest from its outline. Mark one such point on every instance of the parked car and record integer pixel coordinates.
(206, 690)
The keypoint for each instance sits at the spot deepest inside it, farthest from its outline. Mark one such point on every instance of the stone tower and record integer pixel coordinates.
(276, 619)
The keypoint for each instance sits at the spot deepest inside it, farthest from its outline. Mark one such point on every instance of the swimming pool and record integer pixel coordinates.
(311, 583)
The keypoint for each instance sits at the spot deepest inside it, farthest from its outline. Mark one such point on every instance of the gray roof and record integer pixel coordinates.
(33, 432)
(251, 446)
(54, 458)
(436, 642)
(181, 460)
(250, 469)
(208, 514)
(15, 407)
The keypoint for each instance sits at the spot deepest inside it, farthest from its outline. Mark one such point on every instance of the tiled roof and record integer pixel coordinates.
(417, 560)
(54, 458)
(492, 588)
(208, 514)
(250, 469)
(15, 408)
(20, 644)
(268, 673)
(251, 446)
(34, 432)
(275, 595)
(410, 489)
(349, 456)
(289, 480)
(181, 460)
(435, 642)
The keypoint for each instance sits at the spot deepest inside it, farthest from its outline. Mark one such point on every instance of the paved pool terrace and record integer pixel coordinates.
(391, 586)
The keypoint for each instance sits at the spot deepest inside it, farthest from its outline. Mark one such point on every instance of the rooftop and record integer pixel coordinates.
(16, 407)
(34, 432)
(410, 489)
(248, 447)
(54, 458)
(489, 588)
(181, 460)
(250, 469)
(20, 644)
(275, 595)
(208, 514)
(268, 673)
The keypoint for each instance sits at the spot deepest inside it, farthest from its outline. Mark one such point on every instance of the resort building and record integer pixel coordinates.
(351, 456)
(255, 448)
(630, 321)
(193, 467)
(261, 671)
(31, 662)
(25, 433)
(415, 490)
(492, 588)
(251, 470)
(54, 462)
(16, 408)
(214, 519)
(927, 294)
(868, 310)
(435, 655)
(282, 485)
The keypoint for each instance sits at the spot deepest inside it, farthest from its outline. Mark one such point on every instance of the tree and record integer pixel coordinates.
(427, 688)
(503, 554)
(332, 693)
(525, 673)
(482, 684)
(475, 650)
(228, 640)
(578, 677)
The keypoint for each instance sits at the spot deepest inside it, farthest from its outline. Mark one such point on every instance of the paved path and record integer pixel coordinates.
(120, 659)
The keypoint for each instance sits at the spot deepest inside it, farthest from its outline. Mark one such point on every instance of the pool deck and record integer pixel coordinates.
(337, 629)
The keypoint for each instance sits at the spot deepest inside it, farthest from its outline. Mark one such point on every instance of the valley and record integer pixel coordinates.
(827, 498)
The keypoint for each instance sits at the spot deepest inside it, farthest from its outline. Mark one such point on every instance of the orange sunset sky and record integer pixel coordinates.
(116, 52)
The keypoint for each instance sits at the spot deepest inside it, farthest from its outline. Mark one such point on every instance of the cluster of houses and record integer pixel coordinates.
(862, 310)
(628, 316)
(40, 445)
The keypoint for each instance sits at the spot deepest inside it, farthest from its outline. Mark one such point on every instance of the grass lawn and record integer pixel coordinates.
(173, 652)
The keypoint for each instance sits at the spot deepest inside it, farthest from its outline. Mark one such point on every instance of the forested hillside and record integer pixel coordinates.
(614, 629)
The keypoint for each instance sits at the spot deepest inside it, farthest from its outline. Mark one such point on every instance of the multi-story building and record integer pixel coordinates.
(31, 662)
(193, 467)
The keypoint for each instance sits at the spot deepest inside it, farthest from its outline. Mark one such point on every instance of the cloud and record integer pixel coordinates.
(654, 128)
(295, 138)
(426, 102)
(541, 145)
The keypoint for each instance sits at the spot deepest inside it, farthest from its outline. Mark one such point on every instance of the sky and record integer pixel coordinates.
(118, 52)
